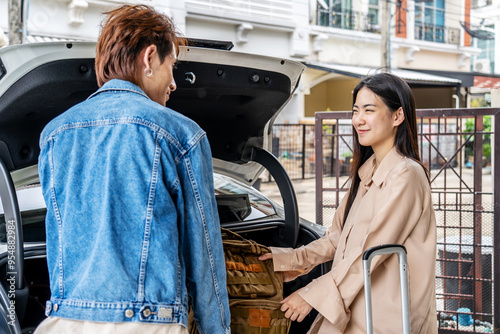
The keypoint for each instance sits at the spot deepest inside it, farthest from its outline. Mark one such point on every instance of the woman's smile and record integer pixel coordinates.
(375, 124)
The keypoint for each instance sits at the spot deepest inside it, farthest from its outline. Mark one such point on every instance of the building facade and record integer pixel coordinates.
(425, 38)
(340, 41)
(485, 24)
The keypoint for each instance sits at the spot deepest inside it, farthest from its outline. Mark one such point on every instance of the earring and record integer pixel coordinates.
(148, 72)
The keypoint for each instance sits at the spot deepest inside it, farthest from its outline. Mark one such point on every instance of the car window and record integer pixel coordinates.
(258, 206)
(236, 202)
(33, 211)
(33, 226)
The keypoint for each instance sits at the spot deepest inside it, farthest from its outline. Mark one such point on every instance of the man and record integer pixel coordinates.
(132, 224)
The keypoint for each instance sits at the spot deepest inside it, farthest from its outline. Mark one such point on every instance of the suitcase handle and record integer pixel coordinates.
(368, 255)
(231, 235)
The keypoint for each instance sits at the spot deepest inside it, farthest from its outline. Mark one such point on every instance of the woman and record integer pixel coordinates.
(389, 202)
(132, 225)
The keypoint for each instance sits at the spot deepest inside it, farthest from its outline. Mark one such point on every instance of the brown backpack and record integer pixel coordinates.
(255, 290)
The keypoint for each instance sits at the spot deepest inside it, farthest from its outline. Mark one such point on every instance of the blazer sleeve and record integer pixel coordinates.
(307, 257)
(332, 294)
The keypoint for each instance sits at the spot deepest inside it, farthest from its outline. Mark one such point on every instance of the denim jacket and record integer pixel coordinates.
(132, 224)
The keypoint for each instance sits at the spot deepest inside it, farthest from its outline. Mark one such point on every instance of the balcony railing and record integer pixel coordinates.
(438, 34)
(348, 19)
(358, 21)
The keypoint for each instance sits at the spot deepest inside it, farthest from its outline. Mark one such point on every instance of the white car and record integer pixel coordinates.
(234, 97)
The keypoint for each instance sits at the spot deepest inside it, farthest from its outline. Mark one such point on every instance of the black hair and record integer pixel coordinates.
(395, 93)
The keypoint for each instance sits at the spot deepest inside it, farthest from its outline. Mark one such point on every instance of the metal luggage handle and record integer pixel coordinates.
(368, 255)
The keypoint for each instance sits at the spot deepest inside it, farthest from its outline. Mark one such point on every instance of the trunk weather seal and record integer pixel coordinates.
(278, 172)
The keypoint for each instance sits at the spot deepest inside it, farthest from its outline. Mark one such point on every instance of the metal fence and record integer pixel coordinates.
(293, 145)
(456, 146)
(348, 19)
(436, 33)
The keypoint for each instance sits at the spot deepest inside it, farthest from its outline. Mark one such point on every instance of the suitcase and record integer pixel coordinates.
(368, 255)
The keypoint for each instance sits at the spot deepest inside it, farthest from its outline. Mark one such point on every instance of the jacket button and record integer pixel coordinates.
(146, 313)
(56, 307)
(48, 307)
(129, 313)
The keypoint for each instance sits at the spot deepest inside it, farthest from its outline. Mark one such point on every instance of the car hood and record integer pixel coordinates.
(234, 97)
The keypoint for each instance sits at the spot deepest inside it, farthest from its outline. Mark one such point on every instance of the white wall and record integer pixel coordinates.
(350, 48)
(292, 113)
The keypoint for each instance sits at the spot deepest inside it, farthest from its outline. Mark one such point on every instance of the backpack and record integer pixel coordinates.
(255, 290)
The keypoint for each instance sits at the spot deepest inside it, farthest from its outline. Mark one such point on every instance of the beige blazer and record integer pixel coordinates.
(393, 205)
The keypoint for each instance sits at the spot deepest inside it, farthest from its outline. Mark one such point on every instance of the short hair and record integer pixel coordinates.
(125, 32)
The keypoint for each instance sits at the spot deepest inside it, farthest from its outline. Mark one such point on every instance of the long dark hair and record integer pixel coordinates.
(395, 93)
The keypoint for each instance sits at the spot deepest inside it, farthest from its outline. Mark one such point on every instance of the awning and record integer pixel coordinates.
(413, 78)
(467, 78)
(48, 39)
(486, 82)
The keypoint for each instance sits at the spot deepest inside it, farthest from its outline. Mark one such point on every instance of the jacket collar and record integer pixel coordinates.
(368, 173)
(117, 85)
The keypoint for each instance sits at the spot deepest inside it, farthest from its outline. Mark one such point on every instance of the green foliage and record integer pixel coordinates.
(487, 150)
(328, 129)
(479, 103)
(469, 127)
(346, 154)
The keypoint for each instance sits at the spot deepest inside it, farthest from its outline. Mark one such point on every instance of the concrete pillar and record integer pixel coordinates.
(15, 22)
(495, 103)
(495, 98)
(3, 42)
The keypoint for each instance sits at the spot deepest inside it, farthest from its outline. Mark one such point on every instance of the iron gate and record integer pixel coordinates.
(459, 147)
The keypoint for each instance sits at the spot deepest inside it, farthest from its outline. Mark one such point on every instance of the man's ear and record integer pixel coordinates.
(399, 116)
(147, 58)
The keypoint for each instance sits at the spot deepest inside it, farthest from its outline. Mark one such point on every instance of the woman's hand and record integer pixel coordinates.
(295, 307)
(287, 275)
(266, 256)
